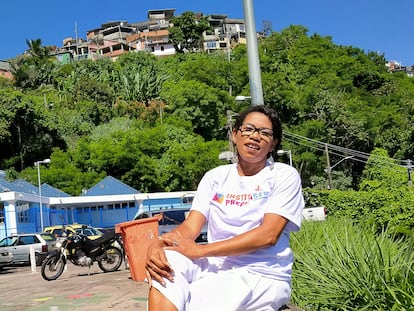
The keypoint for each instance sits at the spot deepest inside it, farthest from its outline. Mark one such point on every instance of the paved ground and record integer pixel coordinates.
(78, 289)
(24, 290)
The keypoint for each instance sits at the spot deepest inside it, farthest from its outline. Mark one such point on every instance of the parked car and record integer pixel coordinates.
(91, 232)
(19, 245)
(106, 230)
(6, 258)
(170, 219)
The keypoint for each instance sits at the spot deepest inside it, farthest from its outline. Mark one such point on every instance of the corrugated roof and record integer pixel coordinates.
(49, 191)
(5, 186)
(107, 186)
(21, 185)
(110, 186)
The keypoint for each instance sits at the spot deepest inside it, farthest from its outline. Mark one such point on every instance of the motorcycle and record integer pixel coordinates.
(107, 251)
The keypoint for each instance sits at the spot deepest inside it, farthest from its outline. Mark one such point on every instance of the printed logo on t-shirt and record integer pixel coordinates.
(237, 199)
(218, 198)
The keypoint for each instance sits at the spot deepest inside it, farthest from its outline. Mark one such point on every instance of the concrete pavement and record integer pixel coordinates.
(78, 289)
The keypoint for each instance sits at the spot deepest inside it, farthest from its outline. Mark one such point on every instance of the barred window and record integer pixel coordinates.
(23, 212)
(1, 213)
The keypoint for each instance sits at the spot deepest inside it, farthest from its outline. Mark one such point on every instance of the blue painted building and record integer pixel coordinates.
(107, 203)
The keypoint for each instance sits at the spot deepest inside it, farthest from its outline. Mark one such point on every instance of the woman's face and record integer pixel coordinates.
(254, 139)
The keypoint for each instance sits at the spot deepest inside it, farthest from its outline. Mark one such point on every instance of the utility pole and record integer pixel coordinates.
(231, 154)
(256, 90)
(409, 169)
(328, 167)
(76, 40)
(228, 36)
(229, 125)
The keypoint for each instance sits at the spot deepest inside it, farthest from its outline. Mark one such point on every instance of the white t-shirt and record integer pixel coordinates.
(234, 204)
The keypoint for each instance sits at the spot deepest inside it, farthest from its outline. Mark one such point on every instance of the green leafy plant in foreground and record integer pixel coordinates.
(340, 266)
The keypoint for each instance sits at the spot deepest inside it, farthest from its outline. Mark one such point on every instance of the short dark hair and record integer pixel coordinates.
(267, 111)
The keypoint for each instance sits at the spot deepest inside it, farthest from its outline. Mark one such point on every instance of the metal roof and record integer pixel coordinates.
(110, 186)
(49, 191)
(24, 186)
(107, 186)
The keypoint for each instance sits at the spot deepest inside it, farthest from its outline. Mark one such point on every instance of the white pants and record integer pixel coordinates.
(200, 286)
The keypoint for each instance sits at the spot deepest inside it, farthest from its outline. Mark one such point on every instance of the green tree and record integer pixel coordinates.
(213, 69)
(142, 84)
(186, 34)
(382, 172)
(27, 132)
(64, 174)
(160, 158)
(198, 103)
(36, 68)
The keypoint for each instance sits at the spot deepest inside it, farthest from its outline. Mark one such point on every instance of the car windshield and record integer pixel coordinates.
(48, 237)
(9, 241)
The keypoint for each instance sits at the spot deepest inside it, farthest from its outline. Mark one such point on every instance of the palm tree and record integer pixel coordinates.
(36, 50)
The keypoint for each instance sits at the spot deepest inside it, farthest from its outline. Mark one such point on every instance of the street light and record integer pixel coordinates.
(242, 98)
(288, 152)
(255, 79)
(329, 168)
(37, 163)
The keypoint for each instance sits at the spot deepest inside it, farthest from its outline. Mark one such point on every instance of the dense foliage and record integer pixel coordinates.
(341, 266)
(384, 199)
(339, 95)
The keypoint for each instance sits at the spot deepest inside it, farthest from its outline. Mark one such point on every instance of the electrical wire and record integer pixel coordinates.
(353, 155)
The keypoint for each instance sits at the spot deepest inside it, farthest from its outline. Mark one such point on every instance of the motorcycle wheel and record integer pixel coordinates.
(52, 267)
(111, 260)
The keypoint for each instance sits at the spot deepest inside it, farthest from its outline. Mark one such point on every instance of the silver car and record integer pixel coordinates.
(6, 258)
(19, 246)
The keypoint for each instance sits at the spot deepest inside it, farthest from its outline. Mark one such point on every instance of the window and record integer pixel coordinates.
(211, 44)
(1, 213)
(23, 212)
(188, 200)
(10, 241)
(29, 239)
(57, 232)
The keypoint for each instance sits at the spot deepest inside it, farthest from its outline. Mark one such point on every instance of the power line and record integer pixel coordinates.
(358, 156)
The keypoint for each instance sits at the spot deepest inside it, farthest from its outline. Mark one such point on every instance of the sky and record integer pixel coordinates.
(381, 26)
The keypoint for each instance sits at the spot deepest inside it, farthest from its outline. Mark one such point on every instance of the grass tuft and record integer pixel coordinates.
(341, 266)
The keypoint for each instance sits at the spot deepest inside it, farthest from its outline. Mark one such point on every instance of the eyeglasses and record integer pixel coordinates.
(249, 129)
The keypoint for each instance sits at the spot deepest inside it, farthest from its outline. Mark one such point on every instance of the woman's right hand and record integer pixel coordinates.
(157, 266)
